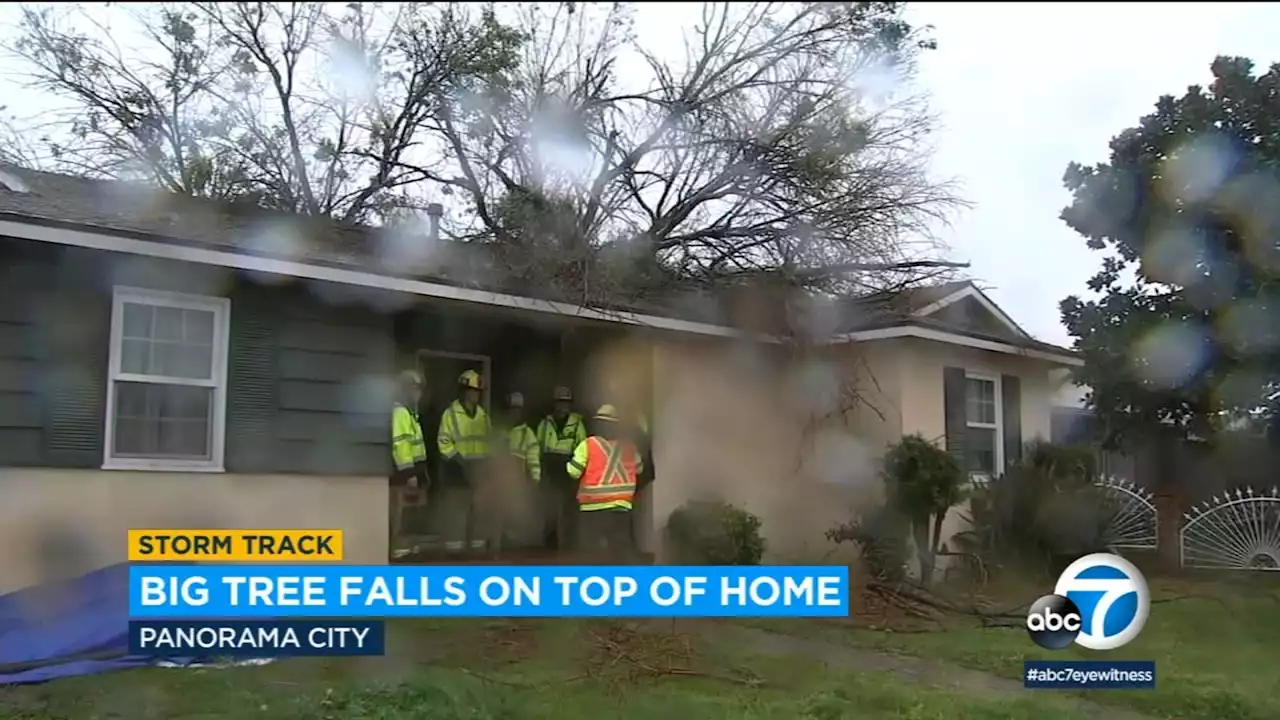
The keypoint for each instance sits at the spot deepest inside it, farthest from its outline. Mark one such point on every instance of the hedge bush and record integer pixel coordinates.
(703, 532)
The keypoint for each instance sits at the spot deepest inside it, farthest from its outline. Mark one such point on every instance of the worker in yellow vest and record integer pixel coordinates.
(463, 440)
(517, 474)
(607, 467)
(558, 434)
(522, 441)
(408, 450)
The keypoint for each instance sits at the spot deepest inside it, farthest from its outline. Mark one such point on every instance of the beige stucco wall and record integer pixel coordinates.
(62, 523)
(742, 436)
(923, 362)
(793, 441)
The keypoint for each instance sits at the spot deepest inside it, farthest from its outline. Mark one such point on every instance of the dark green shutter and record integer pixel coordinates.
(74, 329)
(251, 384)
(1011, 412)
(953, 396)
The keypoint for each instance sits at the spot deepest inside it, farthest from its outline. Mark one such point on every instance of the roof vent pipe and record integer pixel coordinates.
(434, 212)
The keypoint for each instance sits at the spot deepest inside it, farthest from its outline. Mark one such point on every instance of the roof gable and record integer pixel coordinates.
(969, 308)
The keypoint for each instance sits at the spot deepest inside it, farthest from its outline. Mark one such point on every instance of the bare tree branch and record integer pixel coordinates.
(296, 106)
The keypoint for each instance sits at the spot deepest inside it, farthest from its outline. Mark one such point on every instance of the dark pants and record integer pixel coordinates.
(604, 537)
(562, 502)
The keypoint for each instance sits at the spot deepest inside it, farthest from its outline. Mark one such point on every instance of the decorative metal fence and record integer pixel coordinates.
(1134, 523)
(1236, 531)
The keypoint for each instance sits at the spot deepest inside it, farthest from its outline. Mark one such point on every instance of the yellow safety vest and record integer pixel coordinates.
(461, 435)
(562, 440)
(523, 444)
(408, 448)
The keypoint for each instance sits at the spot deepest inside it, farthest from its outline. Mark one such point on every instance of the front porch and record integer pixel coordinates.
(516, 351)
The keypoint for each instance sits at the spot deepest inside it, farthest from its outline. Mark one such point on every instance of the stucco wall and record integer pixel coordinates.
(798, 441)
(62, 523)
(768, 433)
(922, 363)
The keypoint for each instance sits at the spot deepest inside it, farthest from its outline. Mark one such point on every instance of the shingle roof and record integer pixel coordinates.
(137, 209)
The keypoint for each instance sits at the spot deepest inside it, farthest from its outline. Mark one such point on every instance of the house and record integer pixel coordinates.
(173, 362)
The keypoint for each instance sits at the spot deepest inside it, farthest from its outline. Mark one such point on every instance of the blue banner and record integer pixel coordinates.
(1089, 674)
(339, 591)
(256, 638)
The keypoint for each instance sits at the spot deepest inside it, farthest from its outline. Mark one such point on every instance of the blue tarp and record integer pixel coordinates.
(74, 627)
(70, 628)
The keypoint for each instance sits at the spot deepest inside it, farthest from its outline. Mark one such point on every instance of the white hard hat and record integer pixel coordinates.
(516, 400)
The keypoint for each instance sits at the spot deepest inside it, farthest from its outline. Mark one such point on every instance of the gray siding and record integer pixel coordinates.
(331, 405)
(21, 415)
(303, 394)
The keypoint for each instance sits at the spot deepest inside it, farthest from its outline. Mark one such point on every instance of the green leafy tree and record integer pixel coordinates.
(1185, 331)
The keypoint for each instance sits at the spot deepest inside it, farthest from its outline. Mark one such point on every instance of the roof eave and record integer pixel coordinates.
(1064, 357)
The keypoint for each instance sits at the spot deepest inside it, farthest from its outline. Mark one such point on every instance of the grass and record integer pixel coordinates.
(480, 670)
(1216, 657)
(1216, 649)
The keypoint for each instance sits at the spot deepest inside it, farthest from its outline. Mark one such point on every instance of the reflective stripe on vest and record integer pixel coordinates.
(610, 475)
(561, 440)
(470, 432)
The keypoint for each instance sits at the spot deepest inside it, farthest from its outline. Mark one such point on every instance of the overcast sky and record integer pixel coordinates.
(1023, 89)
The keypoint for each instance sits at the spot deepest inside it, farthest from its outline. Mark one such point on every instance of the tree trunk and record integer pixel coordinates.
(920, 529)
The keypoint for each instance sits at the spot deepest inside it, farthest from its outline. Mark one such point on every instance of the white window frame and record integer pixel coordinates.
(997, 426)
(221, 309)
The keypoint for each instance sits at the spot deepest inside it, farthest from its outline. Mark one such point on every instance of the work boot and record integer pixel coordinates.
(454, 548)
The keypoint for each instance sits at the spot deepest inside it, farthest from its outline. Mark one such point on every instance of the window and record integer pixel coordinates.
(168, 372)
(984, 449)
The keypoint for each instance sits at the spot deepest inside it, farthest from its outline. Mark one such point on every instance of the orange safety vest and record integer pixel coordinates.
(610, 475)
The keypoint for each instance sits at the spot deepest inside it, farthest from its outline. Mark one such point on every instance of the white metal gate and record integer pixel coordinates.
(1237, 531)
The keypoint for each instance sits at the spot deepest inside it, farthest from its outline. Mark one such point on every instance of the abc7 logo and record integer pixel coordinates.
(1053, 622)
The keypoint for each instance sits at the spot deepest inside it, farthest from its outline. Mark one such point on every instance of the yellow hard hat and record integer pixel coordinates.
(607, 412)
(411, 377)
(562, 393)
(470, 380)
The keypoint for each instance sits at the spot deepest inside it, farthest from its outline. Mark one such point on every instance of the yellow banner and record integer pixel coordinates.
(235, 545)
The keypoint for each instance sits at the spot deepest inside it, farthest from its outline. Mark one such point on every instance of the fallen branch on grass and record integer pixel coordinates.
(922, 602)
(674, 650)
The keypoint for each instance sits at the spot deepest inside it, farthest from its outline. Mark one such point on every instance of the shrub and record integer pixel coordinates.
(703, 532)
(882, 536)
(1042, 510)
(923, 482)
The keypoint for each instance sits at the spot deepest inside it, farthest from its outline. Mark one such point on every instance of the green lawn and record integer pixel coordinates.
(1217, 652)
(1217, 659)
(546, 669)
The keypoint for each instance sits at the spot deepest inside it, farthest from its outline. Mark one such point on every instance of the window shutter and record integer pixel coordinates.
(74, 328)
(1011, 411)
(251, 384)
(953, 396)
